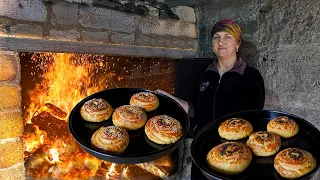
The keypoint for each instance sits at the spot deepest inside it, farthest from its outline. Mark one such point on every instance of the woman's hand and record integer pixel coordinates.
(184, 104)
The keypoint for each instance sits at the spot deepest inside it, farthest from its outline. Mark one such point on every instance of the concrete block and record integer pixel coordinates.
(34, 10)
(100, 18)
(152, 25)
(15, 172)
(26, 30)
(122, 38)
(64, 13)
(123, 22)
(11, 153)
(11, 125)
(185, 13)
(166, 41)
(8, 67)
(71, 35)
(90, 36)
(9, 95)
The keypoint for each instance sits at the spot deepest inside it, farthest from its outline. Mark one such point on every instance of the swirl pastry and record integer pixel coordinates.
(129, 117)
(163, 129)
(145, 100)
(96, 110)
(294, 162)
(110, 139)
(235, 128)
(283, 126)
(229, 157)
(264, 143)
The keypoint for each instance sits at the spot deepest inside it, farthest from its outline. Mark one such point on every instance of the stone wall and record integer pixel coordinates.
(78, 27)
(281, 39)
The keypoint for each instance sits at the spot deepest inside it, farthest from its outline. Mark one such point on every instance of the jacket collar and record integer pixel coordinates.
(239, 67)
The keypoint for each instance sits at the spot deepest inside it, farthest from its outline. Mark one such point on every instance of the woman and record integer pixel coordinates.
(227, 85)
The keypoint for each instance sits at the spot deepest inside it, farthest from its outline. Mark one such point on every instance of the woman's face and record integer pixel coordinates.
(224, 45)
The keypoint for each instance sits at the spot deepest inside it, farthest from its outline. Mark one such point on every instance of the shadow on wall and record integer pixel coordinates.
(272, 101)
(250, 54)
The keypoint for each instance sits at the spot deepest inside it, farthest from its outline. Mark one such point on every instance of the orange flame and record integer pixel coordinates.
(64, 85)
(33, 141)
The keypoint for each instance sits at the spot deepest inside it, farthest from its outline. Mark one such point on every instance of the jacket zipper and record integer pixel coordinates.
(214, 99)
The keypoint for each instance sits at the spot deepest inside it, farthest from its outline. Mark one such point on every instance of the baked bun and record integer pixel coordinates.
(229, 157)
(235, 128)
(96, 110)
(129, 117)
(264, 143)
(163, 129)
(145, 100)
(111, 139)
(294, 162)
(283, 126)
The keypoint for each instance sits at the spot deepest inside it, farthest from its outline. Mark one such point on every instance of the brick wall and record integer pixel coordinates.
(11, 123)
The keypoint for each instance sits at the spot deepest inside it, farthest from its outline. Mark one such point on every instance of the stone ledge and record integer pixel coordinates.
(33, 45)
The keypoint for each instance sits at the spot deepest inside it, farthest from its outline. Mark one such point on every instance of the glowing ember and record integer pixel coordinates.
(53, 156)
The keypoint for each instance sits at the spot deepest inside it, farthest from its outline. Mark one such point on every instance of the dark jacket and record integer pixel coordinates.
(241, 88)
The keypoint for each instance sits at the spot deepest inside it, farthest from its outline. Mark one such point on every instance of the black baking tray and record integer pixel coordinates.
(140, 148)
(308, 138)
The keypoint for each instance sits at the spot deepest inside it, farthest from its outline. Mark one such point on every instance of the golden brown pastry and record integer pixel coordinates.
(111, 139)
(294, 162)
(235, 128)
(129, 117)
(96, 110)
(229, 157)
(264, 143)
(163, 129)
(283, 126)
(145, 100)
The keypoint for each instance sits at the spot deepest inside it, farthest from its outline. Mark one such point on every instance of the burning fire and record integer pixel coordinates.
(64, 84)
(50, 151)
(34, 140)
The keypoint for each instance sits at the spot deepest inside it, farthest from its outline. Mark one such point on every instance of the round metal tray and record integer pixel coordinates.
(140, 149)
(308, 138)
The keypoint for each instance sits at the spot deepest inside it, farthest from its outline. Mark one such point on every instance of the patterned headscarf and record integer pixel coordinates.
(229, 26)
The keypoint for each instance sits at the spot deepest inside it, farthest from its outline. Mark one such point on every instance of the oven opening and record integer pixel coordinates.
(53, 83)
